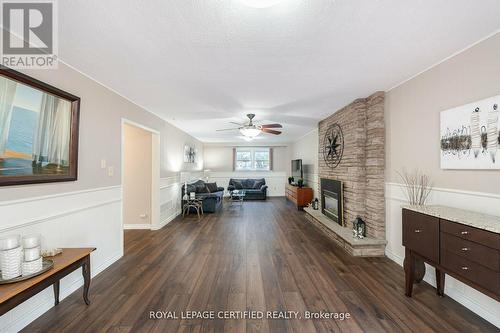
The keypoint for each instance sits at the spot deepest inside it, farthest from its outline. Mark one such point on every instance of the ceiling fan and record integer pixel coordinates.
(252, 130)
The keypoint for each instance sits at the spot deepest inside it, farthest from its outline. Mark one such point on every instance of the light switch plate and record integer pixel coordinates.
(111, 171)
(103, 164)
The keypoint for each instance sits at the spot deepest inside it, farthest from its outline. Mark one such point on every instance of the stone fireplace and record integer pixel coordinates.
(360, 173)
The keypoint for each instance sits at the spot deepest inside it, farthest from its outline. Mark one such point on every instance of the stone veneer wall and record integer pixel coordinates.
(362, 167)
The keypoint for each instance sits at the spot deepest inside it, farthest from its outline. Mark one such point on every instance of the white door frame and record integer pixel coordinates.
(155, 172)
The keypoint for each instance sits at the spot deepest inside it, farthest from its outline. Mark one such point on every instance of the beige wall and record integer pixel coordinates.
(219, 158)
(412, 116)
(137, 175)
(306, 148)
(101, 114)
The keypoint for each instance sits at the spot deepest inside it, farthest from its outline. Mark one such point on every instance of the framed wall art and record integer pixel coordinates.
(38, 131)
(470, 136)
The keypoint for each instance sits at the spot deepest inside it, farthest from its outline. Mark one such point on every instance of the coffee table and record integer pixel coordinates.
(237, 196)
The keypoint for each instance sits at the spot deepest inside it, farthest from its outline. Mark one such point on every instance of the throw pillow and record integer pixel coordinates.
(202, 188)
(258, 184)
(237, 184)
(190, 188)
(212, 187)
(248, 183)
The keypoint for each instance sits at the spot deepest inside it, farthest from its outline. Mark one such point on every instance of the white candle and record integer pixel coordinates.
(31, 241)
(32, 254)
(9, 242)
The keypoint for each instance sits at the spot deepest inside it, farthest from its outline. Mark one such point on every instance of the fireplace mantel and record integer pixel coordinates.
(343, 236)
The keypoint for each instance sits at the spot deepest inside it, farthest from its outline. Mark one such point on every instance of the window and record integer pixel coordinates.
(252, 159)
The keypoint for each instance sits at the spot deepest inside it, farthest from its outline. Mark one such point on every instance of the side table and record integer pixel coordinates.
(196, 204)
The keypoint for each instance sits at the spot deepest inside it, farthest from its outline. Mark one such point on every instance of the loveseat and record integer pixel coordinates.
(211, 194)
(255, 189)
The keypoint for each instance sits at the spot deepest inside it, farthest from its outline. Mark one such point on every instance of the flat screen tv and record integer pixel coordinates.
(297, 169)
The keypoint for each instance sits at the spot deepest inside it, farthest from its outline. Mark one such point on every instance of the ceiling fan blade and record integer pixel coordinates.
(271, 126)
(227, 129)
(270, 131)
(235, 123)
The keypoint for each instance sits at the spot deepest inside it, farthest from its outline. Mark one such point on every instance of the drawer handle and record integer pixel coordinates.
(464, 232)
(465, 268)
(465, 249)
(417, 231)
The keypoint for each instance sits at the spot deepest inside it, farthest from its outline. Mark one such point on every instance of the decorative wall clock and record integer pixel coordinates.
(333, 145)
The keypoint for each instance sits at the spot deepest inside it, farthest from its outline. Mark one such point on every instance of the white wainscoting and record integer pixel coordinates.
(487, 203)
(89, 218)
(275, 180)
(170, 199)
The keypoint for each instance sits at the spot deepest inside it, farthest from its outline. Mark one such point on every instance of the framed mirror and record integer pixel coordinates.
(38, 131)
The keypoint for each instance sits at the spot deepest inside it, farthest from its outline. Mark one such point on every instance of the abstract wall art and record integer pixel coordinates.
(470, 136)
(190, 154)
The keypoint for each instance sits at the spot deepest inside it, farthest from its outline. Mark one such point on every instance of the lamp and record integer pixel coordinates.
(250, 132)
(206, 173)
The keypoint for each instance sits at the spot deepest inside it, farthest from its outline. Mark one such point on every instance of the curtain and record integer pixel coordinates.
(52, 138)
(234, 159)
(270, 159)
(7, 93)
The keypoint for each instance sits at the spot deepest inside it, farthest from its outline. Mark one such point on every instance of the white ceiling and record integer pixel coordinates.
(202, 63)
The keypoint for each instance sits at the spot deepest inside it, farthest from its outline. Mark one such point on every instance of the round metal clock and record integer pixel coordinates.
(333, 145)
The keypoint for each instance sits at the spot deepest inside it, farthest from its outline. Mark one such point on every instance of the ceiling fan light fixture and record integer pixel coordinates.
(250, 132)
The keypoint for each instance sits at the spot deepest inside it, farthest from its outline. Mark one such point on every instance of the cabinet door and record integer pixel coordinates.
(421, 234)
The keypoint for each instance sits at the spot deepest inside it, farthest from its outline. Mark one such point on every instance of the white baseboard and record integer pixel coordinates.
(146, 226)
(166, 221)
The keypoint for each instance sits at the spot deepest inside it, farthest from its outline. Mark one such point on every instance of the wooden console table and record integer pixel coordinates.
(462, 244)
(300, 196)
(11, 295)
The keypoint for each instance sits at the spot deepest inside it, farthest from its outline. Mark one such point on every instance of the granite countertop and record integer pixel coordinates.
(466, 217)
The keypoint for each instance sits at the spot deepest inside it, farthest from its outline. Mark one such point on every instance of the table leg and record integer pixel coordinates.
(86, 279)
(409, 266)
(56, 292)
(440, 277)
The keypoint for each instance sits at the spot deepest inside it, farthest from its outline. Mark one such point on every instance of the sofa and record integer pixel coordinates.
(211, 195)
(255, 189)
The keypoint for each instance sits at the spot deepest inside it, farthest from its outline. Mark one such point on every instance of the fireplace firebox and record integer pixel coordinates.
(331, 199)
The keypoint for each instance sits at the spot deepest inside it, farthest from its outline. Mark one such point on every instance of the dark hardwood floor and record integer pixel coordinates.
(261, 256)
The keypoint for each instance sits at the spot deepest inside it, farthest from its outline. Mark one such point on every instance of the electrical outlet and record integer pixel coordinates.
(143, 216)
(103, 164)
(111, 171)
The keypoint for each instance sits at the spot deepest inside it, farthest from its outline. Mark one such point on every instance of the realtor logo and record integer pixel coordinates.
(29, 36)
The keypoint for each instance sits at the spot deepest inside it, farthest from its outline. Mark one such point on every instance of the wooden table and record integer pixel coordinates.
(11, 295)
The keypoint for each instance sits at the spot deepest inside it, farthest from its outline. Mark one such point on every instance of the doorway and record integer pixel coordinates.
(140, 176)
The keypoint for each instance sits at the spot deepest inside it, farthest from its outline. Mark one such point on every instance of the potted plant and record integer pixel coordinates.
(300, 182)
(290, 180)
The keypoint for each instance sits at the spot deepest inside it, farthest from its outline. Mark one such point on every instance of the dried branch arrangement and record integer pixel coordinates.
(418, 186)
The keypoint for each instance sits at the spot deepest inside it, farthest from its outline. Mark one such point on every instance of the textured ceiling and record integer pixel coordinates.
(202, 63)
